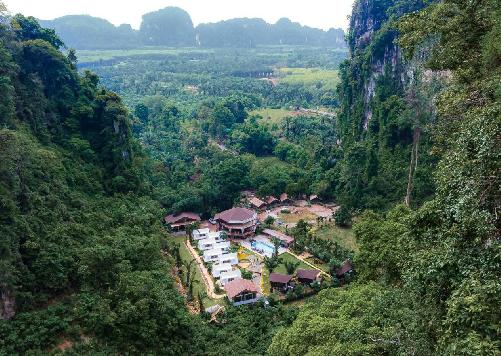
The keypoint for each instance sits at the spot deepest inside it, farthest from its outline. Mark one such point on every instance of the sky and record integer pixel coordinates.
(315, 13)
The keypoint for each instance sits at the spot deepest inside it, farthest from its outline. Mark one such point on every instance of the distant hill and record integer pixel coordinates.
(173, 27)
(87, 32)
(249, 32)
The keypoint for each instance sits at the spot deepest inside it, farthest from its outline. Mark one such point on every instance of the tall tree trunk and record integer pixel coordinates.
(413, 165)
(7, 303)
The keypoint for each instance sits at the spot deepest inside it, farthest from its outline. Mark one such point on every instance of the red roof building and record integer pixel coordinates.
(242, 291)
(181, 220)
(237, 222)
(286, 240)
(257, 203)
(346, 267)
(313, 198)
(270, 200)
(280, 281)
(284, 199)
(308, 275)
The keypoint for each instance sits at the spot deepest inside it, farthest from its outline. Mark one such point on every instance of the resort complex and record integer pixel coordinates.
(233, 249)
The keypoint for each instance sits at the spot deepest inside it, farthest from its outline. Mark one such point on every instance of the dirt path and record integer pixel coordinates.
(209, 285)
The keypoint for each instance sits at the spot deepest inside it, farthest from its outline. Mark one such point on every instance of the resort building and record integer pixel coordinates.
(221, 268)
(213, 255)
(280, 282)
(228, 258)
(180, 221)
(346, 267)
(313, 198)
(200, 234)
(284, 199)
(242, 291)
(271, 200)
(237, 222)
(212, 243)
(227, 277)
(308, 276)
(257, 203)
(285, 240)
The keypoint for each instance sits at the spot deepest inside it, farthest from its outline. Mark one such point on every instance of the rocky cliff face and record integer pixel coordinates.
(370, 39)
(384, 106)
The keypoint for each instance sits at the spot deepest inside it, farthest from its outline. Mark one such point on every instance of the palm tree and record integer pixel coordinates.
(291, 266)
(276, 244)
(190, 278)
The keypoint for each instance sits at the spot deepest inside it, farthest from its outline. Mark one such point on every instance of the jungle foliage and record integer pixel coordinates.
(428, 279)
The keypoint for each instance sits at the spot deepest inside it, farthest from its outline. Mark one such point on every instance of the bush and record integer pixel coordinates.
(342, 217)
(246, 274)
(269, 221)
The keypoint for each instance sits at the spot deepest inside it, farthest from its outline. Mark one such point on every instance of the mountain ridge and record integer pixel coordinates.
(173, 26)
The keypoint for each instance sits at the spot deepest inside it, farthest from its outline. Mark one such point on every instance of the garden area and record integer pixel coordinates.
(344, 236)
(195, 281)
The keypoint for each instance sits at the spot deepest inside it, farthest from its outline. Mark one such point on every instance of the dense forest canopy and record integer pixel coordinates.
(403, 135)
(173, 27)
(428, 279)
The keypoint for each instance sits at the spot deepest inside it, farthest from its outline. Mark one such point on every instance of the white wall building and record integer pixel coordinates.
(212, 243)
(218, 269)
(230, 258)
(200, 234)
(216, 235)
(226, 277)
(213, 255)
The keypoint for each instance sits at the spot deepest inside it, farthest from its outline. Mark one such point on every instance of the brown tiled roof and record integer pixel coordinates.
(310, 274)
(279, 235)
(257, 202)
(279, 278)
(271, 199)
(236, 215)
(284, 197)
(174, 218)
(345, 267)
(238, 286)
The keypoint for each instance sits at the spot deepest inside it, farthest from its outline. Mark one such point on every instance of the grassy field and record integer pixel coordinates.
(287, 257)
(344, 237)
(290, 218)
(320, 264)
(199, 286)
(272, 116)
(88, 56)
(326, 78)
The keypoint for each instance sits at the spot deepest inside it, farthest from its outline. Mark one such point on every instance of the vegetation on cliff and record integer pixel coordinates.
(438, 265)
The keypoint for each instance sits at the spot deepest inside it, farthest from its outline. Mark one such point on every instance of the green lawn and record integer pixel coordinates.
(343, 236)
(326, 78)
(97, 55)
(199, 285)
(322, 265)
(286, 257)
(272, 116)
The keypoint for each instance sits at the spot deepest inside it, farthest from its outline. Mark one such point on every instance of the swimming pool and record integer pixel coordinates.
(263, 246)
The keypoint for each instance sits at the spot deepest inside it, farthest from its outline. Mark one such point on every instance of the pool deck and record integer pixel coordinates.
(247, 244)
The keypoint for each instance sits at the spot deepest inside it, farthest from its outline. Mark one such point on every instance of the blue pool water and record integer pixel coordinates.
(262, 246)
